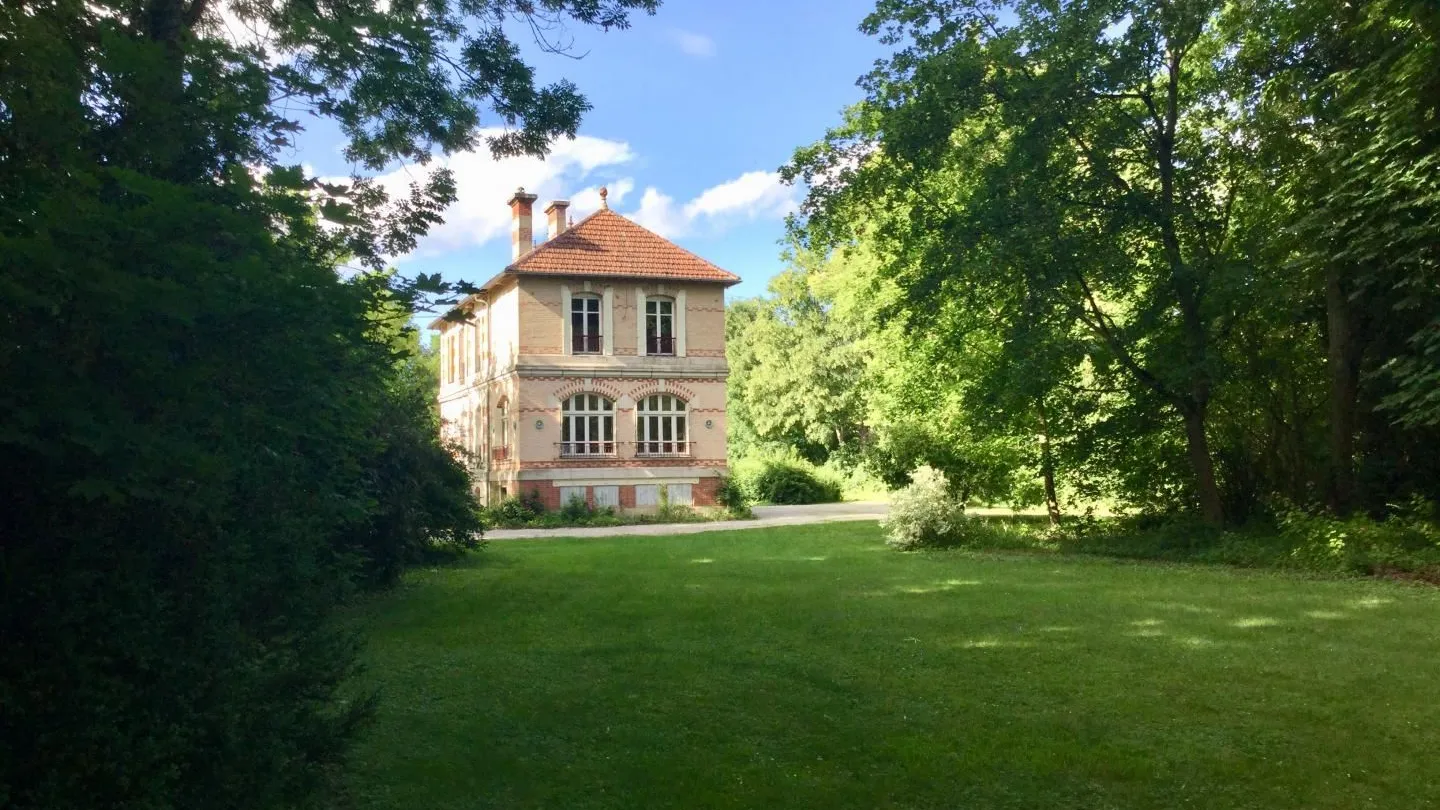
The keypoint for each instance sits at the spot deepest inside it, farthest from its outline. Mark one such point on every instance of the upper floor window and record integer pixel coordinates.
(447, 355)
(585, 324)
(659, 326)
(463, 349)
(660, 426)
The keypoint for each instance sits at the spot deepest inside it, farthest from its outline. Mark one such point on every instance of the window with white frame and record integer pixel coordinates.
(585, 324)
(587, 426)
(502, 430)
(659, 326)
(447, 356)
(462, 346)
(660, 426)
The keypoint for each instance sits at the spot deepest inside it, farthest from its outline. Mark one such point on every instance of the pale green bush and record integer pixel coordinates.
(925, 513)
(1407, 541)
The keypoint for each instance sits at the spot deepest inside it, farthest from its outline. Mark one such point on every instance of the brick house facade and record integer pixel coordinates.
(592, 366)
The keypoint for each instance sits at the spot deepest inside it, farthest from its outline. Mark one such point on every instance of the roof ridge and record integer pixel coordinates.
(612, 246)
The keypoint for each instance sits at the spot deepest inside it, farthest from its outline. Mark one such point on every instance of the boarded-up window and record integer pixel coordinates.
(568, 493)
(647, 495)
(679, 494)
(607, 496)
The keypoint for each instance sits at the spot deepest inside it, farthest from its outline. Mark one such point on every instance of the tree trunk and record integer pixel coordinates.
(1047, 468)
(1344, 385)
(1208, 492)
(1187, 284)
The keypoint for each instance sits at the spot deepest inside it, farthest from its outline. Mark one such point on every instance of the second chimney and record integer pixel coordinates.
(555, 213)
(522, 234)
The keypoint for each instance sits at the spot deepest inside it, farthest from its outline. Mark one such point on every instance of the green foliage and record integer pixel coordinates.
(421, 502)
(795, 369)
(782, 481)
(1405, 545)
(925, 513)
(1190, 270)
(607, 516)
(516, 511)
(211, 439)
(731, 496)
(1406, 542)
(576, 510)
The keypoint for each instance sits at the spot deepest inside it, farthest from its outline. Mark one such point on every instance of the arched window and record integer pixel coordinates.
(659, 326)
(660, 426)
(585, 324)
(587, 426)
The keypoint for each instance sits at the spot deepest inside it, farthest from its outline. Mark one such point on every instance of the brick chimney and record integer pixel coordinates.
(522, 235)
(555, 214)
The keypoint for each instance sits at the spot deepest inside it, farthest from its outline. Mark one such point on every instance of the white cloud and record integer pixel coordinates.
(693, 44)
(575, 170)
(483, 184)
(751, 196)
(585, 201)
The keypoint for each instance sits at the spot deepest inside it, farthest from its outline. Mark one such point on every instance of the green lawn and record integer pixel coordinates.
(814, 668)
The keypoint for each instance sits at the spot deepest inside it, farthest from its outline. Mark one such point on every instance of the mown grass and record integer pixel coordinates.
(812, 667)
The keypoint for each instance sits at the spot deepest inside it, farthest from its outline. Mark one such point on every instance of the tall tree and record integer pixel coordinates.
(797, 366)
(208, 436)
(1099, 130)
(1343, 103)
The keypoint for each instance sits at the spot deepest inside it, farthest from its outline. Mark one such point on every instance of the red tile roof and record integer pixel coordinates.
(607, 244)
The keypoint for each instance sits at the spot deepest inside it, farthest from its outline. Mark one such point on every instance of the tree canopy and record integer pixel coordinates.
(1181, 252)
(216, 424)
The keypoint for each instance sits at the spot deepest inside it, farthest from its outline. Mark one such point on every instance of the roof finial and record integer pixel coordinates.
(604, 192)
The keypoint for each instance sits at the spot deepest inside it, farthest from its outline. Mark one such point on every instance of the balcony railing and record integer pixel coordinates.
(585, 344)
(499, 453)
(659, 345)
(662, 448)
(587, 449)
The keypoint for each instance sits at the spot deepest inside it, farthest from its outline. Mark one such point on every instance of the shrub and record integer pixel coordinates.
(925, 513)
(423, 509)
(576, 510)
(514, 511)
(731, 496)
(1408, 541)
(787, 482)
(666, 512)
(189, 502)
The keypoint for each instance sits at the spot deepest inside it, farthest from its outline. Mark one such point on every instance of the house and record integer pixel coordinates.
(592, 366)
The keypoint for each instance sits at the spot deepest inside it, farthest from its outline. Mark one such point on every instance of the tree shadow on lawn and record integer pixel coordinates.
(1255, 608)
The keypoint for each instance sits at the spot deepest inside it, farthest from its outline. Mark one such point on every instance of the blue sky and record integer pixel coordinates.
(694, 110)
